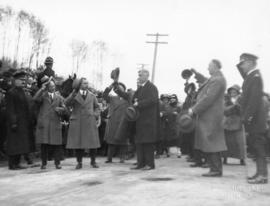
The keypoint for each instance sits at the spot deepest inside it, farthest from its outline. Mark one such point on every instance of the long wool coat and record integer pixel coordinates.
(234, 132)
(252, 105)
(117, 132)
(49, 128)
(147, 124)
(83, 131)
(19, 112)
(209, 134)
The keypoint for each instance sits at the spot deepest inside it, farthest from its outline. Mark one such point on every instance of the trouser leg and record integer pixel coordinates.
(214, 161)
(44, 153)
(122, 152)
(149, 150)
(93, 154)
(260, 153)
(198, 157)
(57, 154)
(111, 150)
(140, 155)
(79, 155)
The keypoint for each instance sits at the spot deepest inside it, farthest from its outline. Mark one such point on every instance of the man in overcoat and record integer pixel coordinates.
(147, 102)
(209, 111)
(49, 128)
(83, 131)
(253, 114)
(20, 125)
(117, 132)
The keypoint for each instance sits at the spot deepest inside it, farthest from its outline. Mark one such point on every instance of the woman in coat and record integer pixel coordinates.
(83, 131)
(116, 134)
(49, 128)
(234, 133)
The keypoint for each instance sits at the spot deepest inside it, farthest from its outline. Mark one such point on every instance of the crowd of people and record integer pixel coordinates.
(42, 117)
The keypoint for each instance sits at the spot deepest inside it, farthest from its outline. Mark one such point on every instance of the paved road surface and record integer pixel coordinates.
(173, 183)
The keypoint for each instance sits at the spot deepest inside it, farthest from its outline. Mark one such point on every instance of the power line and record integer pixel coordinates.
(156, 42)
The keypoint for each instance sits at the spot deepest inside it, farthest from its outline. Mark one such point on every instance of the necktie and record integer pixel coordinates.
(84, 95)
(51, 97)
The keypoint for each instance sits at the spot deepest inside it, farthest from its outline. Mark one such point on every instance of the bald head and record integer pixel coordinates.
(143, 76)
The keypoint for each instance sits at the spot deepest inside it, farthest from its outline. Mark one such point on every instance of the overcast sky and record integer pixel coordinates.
(198, 32)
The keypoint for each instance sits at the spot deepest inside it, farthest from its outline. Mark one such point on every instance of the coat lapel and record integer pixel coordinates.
(79, 98)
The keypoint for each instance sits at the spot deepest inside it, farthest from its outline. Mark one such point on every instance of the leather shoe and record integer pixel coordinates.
(43, 167)
(78, 166)
(94, 165)
(253, 177)
(108, 161)
(136, 168)
(58, 167)
(205, 165)
(212, 174)
(195, 165)
(147, 168)
(258, 180)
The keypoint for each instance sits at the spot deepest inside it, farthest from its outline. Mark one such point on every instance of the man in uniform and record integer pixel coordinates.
(19, 122)
(253, 114)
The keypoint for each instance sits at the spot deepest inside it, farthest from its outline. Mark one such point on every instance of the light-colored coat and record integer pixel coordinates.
(83, 131)
(49, 128)
(209, 134)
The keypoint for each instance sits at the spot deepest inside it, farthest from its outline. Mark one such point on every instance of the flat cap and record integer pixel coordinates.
(48, 60)
(19, 74)
(248, 56)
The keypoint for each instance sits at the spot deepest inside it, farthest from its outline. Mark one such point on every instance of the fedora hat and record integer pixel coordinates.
(132, 114)
(186, 123)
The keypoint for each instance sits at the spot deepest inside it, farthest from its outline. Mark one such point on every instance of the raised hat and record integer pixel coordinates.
(132, 114)
(186, 123)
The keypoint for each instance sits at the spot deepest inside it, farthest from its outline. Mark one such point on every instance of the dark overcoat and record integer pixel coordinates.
(49, 128)
(117, 126)
(209, 109)
(20, 138)
(83, 131)
(252, 107)
(147, 124)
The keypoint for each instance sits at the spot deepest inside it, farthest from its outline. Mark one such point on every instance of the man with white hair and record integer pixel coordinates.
(146, 101)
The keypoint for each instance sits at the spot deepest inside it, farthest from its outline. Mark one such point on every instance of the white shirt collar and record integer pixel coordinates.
(142, 85)
(83, 92)
(51, 94)
(251, 71)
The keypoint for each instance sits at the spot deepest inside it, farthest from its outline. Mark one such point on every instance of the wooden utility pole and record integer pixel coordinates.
(156, 42)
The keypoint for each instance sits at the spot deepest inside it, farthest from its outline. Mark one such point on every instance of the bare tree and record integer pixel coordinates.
(5, 18)
(79, 52)
(99, 51)
(22, 18)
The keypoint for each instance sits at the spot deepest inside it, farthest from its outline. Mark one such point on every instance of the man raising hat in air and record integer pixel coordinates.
(209, 111)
